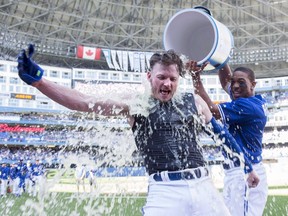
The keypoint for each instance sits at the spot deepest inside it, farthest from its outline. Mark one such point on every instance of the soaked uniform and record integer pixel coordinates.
(246, 118)
(179, 181)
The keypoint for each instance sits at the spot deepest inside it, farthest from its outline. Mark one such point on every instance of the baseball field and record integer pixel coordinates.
(119, 196)
(92, 204)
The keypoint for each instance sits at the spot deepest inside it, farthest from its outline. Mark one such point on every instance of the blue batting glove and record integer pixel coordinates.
(28, 70)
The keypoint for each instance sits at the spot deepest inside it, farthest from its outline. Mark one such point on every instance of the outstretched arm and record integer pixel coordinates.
(32, 73)
(231, 143)
(76, 100)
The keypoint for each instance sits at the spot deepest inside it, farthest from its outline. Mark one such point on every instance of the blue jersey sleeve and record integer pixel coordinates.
(237, 111)
(230, 142)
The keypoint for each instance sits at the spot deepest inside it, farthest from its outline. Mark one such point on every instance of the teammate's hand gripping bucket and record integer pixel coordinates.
(195, 34)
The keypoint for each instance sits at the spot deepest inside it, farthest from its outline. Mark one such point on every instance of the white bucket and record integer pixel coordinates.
(199, 37)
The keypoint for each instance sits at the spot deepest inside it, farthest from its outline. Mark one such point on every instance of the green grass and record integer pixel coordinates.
(55, 204)
(72, 204)
(276, 206)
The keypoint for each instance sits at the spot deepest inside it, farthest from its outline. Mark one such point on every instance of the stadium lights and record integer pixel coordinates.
(254, 56)
(260, 55)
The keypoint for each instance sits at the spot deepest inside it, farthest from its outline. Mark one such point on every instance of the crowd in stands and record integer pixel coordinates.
(53, 157)
(37, 134)
(275, 137)
(64, 137)
(45, 137)
(275, 153)
(12, 155)
(69, 118)
(280, 98)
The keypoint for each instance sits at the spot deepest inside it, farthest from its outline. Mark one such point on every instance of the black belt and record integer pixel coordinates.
(182, 175)
(231, 164)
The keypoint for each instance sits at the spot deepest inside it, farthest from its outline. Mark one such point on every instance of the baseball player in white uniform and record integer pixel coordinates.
(80, 174)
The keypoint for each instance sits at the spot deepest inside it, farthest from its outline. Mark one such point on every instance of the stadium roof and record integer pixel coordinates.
(259, 27)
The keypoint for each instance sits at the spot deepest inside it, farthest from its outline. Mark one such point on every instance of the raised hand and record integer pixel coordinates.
(28, 70)
(193, 68)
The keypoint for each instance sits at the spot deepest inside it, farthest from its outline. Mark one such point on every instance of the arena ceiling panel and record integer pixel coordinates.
(259, 27)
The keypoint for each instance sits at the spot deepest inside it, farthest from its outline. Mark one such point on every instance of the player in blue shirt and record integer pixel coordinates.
(246, 117)
(4, 177)
(14, 180)
(21, 175)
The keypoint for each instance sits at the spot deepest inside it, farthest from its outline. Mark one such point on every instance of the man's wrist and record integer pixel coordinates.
(196, 83)
(196, 79)
(37, 83)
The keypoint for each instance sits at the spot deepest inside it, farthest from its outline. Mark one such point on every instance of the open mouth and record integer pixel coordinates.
(165, 92)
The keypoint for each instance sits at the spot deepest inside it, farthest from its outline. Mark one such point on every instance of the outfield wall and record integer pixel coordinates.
(276, 177)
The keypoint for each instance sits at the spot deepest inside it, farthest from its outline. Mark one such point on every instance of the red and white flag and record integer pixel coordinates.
(88, 53)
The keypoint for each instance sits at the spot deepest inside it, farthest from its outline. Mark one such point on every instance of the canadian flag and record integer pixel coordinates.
(88, 53)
